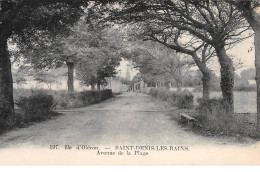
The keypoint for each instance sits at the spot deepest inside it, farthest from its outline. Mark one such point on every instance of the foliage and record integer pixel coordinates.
(93, 49)
(37, 106)
(137, 78)
(23, 20)
(64, 100)
(94, 71)
(191, 27)
(162, 94)
(184, 99)
(181, 99)
(192, 79)
(157, 63)
(215, 117)
(94, 96)
(165, 20)
(126, 81)
(101, 58)
(39, 23)
(48, 51)
(82, 99)
(3, 110)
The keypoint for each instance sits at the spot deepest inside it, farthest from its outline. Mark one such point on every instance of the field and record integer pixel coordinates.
(244, 102)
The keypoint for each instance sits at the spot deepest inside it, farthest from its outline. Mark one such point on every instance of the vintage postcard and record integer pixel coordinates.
(161, 82)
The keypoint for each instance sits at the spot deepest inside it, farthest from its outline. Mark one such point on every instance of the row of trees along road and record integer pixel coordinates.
(190, 27)
(210, 23)
(24, 19)
(217, 24)
(93, 52)
(158, 63)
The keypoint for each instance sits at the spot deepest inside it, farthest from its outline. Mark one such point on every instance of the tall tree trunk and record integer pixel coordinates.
(227, 77)
(252, 15)
(206, 75)
(206, 84)
(257, 78)
(70, 77)
(6, 81)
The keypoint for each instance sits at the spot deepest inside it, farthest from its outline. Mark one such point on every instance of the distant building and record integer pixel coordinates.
(115, 84)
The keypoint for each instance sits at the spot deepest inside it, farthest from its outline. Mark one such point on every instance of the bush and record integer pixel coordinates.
(153, 92)
(5, 111)
(8, 118)
(185, 99)
(212, 106)
(214, 116)
(5, 121)
(62, 99)
(37, 106)
(162, 94)
(94, 96)
(181, 99)
(84, 98)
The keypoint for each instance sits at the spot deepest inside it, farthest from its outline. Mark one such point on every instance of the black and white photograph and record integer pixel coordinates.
(129, 82)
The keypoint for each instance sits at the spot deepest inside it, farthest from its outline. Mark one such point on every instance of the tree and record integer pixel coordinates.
(192, 79)
(24, 19)
(100, 51)
(200, 53)
(95, 68)
(47, 51)
(44, 77)
(95, 46)
(161, 64)
(250, 10)
(126, 81)
(137, 78)
(212, 23)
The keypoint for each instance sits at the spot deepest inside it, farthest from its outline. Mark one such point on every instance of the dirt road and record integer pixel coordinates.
(130, 118)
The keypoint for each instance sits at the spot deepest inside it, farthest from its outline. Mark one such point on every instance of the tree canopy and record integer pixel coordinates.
(189, 26)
